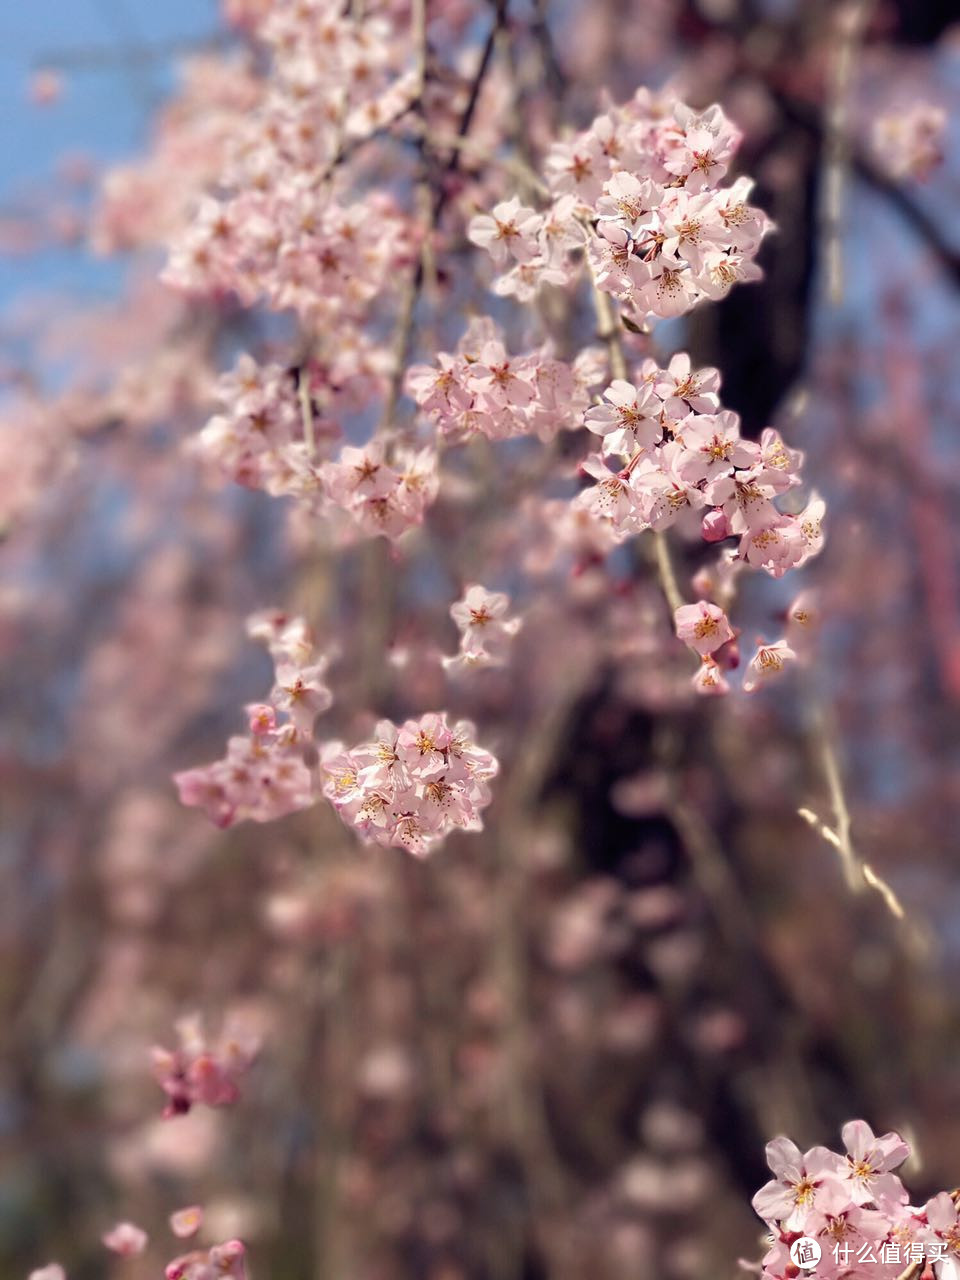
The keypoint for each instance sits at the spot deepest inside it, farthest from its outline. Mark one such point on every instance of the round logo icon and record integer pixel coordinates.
(805, 1253)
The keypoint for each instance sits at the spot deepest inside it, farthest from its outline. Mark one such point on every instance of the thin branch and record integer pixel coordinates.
(850, 22)
(858, 873)
(665, 571)
(913, 214)
(607, 329)
(841, 812)
(510, 163)
(609, 332)
(403, 337)
(540, 30)
(109, 57)
(306, 412)
(862, 871)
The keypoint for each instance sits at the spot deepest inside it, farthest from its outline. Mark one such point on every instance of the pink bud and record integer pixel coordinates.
(714, 526)
(262, 718)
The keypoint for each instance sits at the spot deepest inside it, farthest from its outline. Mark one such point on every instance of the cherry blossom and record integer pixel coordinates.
(482, 390)
(612, 499)
(186, 1222)
(509, 231)
(802, 618)
(709, 678)
(767, 663)
(869, 1163)
(221, 1262)
(264, 776)
(485, 634)
(412, 785)
(331, 340)
(630, 416)
(908, 143)
(679, 452)
(663, 234)
(943, 1217)
(799, 1184)
(703, 626)
(125, 1239)
(259, 437)
(684, 390)
(856, 1209)
(198, 1072)
(380, 498)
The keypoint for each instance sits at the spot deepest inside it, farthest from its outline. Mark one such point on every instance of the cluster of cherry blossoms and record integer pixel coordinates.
(195, 1072)
(225, 1261)
(856, 1211)
(259, 438)
(639, 193)
(909, 143)
(679, 457)
(481, 390)
(220, 1262)
(148, 201)
(706, 629)
(278, 425)
(200, 1072)
(670, 455)
(485, 634)
(294, 248)
(279, 231)
(381, 490)
(410, 786)
(264, 775)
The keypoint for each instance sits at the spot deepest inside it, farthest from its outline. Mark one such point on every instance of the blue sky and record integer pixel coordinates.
(103, 111)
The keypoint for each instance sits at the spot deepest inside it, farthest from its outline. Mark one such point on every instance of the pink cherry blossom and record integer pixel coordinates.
(221, 1262)
(413, 785)
(683, 390)
(799, 1183)
(485, 635)
(186, 1222)
(712, 445)
(509, 231)
(767, 663)
(703, 626)
(709, 679)
(714, 527)
(869, 1163)
(908, 142)
(803, 618)
(943, 1218)
(125, 1239)
(577, 167)
(667, 235)
(628, 418)
(613, 498)
(200, 1072)
(265, 776)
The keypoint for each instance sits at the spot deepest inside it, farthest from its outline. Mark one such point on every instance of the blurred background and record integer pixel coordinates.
(561, 1045)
